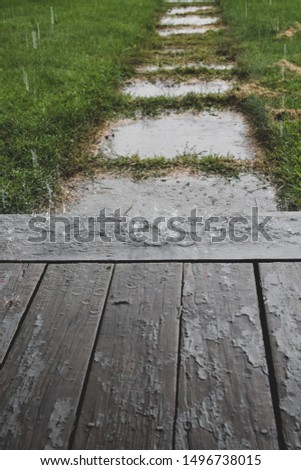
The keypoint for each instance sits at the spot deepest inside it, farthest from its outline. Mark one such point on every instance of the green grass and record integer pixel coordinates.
(252, 39)
(145, 168)
(53, 95)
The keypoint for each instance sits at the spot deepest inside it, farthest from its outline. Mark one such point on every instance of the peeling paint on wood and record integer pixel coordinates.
(281, 283)
(17, 285)
(224, 394)
(131, 394)
(43, 376)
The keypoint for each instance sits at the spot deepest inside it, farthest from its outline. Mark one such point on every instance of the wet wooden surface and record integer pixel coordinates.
(43, 376)
(131, 394)
(223, 369)
(282, 294)
(153, 356)
(19, 242)
(17, 285)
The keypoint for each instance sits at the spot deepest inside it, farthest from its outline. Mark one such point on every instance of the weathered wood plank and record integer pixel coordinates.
(17, 285)
(283, 229)
(281, 283)
(131, 393)
(224, 394)
(44, 373)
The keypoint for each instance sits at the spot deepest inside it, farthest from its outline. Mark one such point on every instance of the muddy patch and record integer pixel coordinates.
(190, 20)
(173, 195)
(169, 88)
(290, 66)
(290, 32)
(223, 133)
(188, 30)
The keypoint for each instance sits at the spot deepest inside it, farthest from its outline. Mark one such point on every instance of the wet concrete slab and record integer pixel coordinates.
(190, 20)
(185, 10)
(223, 133)
(169, 88)
(188, 65)
(173, 195)
(188, 30)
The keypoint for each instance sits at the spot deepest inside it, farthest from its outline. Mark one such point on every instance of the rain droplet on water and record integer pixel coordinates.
(52, 17)
(34, 157)
(34, 40)
(25, 79)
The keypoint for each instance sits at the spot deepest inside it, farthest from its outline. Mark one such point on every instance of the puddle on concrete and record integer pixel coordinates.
(190, 20)
(168, 88)
(189, 65)
(188, 30)
(223, 133)
(184, 10)
(174, 195)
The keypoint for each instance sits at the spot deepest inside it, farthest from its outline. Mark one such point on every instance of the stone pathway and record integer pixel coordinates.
(219, 132)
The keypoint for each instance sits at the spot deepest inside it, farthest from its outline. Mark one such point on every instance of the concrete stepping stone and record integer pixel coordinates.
(173, 195)
(188, 65)
(188, 30)
(171, 89)
(223, 133)
(190, 20)
(184, 10)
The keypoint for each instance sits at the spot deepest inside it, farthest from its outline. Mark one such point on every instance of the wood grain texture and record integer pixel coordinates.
(284, 230)
(43, 376)
(224, 395)
(131, 393)
(17, 285)
(281, 284)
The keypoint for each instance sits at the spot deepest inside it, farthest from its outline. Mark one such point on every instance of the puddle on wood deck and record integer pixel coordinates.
(184, 10)
(188, 65)
(188, 30)
(173, 195)
(168, 88)
(221, 133)
(188, 21)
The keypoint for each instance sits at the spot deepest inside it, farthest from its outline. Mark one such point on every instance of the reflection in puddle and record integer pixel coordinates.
(142, 89)
(221, 133)
(188, 21)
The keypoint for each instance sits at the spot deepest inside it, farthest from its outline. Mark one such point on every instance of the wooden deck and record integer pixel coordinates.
(150, 355)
